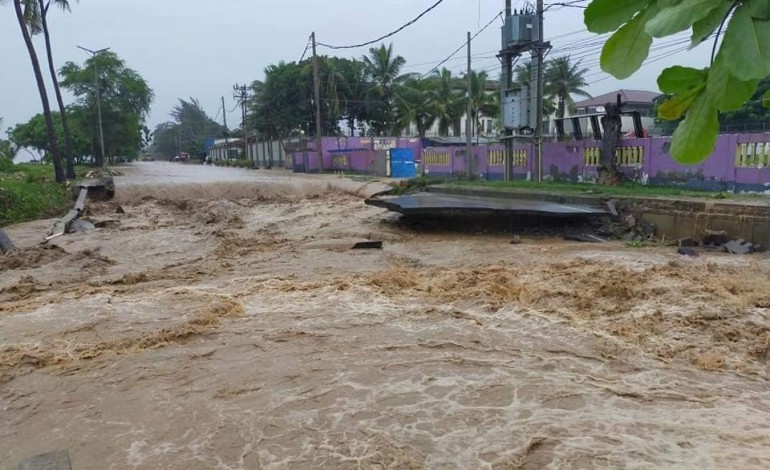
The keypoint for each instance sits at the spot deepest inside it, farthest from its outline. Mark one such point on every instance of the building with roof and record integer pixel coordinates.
(640, 101)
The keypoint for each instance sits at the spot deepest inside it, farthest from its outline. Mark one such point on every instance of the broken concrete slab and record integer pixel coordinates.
(368, 245)
(5, 242)
(344, 244)
(51, 461)
(739, 247)
(435, 204)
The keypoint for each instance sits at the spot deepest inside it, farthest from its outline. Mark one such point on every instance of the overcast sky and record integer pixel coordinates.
(199, 48)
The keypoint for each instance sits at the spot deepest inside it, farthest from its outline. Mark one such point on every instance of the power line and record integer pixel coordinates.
(463, 45)
(369, 43)
(307, 46)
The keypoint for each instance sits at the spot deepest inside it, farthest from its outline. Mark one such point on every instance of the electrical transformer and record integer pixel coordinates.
(521, 29)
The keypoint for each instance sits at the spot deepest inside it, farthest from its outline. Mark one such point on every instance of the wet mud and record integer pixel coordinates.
(218, 324)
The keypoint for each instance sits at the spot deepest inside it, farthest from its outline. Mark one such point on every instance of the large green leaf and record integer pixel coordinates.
(604, 16)
(766, 100)
(696, 136)
(727, 92)
(679, 17)
(702, 28)
(628, 48)
(673, 108)
(760, 9)
(746, 46)
(678, 79)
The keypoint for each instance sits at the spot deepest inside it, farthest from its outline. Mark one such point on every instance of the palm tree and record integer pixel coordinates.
(383, 68)
(523, 78)
(481, 101)
(27, 14)
(564, 79)
(415, 103)
(449, 101)
(65, 6)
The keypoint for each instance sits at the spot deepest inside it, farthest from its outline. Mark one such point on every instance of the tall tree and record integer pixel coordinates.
(564, 79)
(449, 101)
(483, 100)
(415, 103)
(523, 78)
(383, 68)
(27, 12)
(126, 98)
(43, 8)
(189, 131)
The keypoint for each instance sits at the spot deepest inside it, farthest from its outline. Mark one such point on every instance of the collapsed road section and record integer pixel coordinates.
(432, 204)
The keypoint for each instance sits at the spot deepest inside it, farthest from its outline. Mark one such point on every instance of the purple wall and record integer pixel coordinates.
(740, 162)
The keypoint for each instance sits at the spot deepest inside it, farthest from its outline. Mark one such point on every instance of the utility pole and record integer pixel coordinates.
(317, 95)
(242, 95)
(100, 160)
(227, 131)
(507, 57)
(470, 170)
(540, 49)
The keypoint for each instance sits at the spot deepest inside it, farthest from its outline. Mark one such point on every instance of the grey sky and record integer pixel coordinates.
(201, 48)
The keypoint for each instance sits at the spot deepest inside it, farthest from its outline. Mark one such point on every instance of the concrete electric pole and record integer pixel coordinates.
(100, 161)
(470, 170)
(523, 32)
(540, 49)
(317, 99)
(241, 93)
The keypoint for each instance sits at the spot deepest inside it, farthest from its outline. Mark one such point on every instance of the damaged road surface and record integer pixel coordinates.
(225, 322)
(433, 204)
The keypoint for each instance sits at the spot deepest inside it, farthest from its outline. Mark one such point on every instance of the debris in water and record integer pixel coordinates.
(368, 245)
(686, 242)
(687, 251)
(516, 240)
(739, 247)
(120, 210)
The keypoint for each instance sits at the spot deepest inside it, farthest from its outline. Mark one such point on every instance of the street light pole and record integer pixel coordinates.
(100, 162)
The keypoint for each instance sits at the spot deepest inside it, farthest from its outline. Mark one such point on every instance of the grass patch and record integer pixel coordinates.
(29, 192)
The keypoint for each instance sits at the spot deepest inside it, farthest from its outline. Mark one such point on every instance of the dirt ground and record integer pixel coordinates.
(220, 322)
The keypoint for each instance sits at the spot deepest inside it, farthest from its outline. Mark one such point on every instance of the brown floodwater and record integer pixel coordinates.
(222, 322)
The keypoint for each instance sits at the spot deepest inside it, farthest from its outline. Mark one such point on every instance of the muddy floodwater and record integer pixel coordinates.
(221, 322)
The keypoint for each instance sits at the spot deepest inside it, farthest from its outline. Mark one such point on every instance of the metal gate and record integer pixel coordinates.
(402, 163)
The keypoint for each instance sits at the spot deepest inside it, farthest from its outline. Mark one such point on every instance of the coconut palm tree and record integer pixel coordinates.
(449, 101)
(482, 103)
(564, 79)
(523, 78)
(415, 103)
(383, 69)
(43, 9)
(27, 16)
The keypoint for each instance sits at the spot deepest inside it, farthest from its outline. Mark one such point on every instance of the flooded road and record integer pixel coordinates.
(221, 322)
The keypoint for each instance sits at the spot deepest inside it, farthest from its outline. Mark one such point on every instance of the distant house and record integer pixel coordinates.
(634, 100)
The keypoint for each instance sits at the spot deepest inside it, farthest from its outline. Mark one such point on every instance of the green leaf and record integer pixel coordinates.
(628, 48)
(702, 28)
(727, 92)
(696, 136)
(760, 9)
(673, 108)
(604, 16)
(678, 79)
(678, 18)
(766, 99)
(746, 46)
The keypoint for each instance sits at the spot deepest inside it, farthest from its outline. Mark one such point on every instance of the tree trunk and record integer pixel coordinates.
(612, 126)
(57, 164)
(55, 79)
(561, 108)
